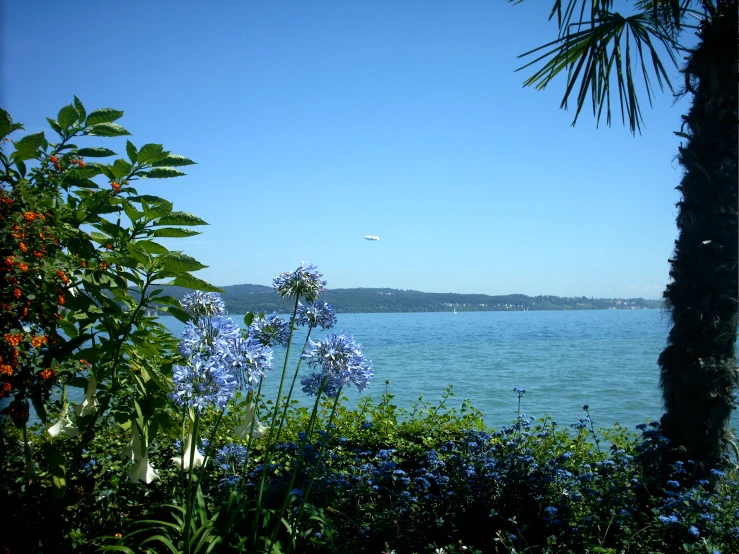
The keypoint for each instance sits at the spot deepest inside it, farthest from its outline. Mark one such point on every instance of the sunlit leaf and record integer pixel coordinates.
(102, 116)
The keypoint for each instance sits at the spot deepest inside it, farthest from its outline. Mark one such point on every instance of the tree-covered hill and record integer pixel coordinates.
(241, 299)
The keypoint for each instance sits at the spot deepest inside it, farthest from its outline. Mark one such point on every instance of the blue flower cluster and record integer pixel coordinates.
(305, 282)
(219, 356)
(316, 314)
(271, 330)
(341, 361)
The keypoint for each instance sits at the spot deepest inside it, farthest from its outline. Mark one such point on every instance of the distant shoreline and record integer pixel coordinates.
(259, 298)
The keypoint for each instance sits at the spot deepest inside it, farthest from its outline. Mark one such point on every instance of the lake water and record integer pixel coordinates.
(564, 359)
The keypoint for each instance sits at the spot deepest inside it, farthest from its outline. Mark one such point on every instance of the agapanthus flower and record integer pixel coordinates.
(201, 382)
(251, 424)
(231, 457)
(191, 451)
(89, 404)
(203, 304)
(271, 330)
(312, 384)
(316, 314)
(206, 336)
(305, 282)
(340, 357)
(248, 359)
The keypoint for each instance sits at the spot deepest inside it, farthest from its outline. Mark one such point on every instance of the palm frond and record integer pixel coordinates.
(595, 51)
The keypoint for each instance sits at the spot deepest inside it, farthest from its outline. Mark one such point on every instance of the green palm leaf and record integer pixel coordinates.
(598, 48)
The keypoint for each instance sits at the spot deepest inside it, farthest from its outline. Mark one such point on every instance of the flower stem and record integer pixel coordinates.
(273, 442)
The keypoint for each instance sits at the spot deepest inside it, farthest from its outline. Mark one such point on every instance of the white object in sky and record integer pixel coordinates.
(371, 237)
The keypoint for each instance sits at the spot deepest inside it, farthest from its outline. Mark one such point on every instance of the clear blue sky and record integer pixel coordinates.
(315, 123)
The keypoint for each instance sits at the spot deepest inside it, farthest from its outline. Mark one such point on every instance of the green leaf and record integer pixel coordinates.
(6, 123)
(150, 246)
(158, 209)
(131, 151)
(55, 126)
(116, 548)
(28, 147)
(163, 173)
(80, 109)
(67, 116)
(107, 130)
(21, 167)
(176, 312)
(180, 218)
(95, 152)
(151, 152)
(103, 115)
(190, 282)
(58, 472)
(132, 213)
(90, 170)
(173, 160)
(248, 318)
(176, 262)
(174, 232)
(121, 168)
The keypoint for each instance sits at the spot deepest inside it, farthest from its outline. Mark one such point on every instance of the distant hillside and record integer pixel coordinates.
(241, 299)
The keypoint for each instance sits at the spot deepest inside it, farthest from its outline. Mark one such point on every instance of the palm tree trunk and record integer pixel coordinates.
(698, 371)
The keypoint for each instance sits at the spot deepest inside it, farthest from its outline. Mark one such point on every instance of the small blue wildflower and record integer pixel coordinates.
(668, 520)
(693, 531)
(519, 390)
(305, 282)
(674, 484)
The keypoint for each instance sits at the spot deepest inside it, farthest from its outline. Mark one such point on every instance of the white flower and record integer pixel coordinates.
(90, 403)
(197, 458)
(133, 446)
(142, 470)
(63, 427)
(138, 452)
(243, 430)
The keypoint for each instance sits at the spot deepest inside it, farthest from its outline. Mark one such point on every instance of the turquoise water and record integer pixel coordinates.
(564, 359)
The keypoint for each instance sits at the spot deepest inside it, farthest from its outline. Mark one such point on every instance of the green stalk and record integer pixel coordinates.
(30, 473)
(248, 439)
(272, 443)
(292, 386)
(210, 442)
(320, 458)
(297, 467)
(188, 491)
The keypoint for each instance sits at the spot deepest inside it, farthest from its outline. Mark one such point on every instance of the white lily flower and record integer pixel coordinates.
(134, 445)
(90, 403)
(197, 459)
(243, 430)
(142, 470)
(138, 452)
(63, 427)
